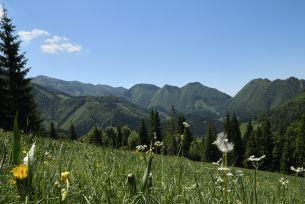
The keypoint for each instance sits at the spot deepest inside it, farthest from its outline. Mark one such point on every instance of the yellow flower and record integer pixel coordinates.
(21, 172)
(65, 175)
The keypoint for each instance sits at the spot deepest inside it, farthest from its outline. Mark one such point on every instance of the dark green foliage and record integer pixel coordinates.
(186, 141)
(299, 152)
(277, 152)
(248, 133)
(288, 159)
(155, 121)
(17, 142)
(72, 132)
(196, 149)
(252, 147)
(133, 140)
(96, 137)
(143, 134)
(180, 125)
(120, 137)
(266, 145)
(125, 134)
(210, 151)
(112, 136)
(17, 86)
(52, 131)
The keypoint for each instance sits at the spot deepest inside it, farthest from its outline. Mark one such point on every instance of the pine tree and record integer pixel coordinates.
(288, 157)
(120, 137)
(96, 137)
(19, 93)
(239, 150)
(247, 133)
(186, 142)
(266, 144)
(158, 127)
(299, 152)
(73, 135)
(252, 147)
(180, 125)
(277, 152)
(52, 131)
(211, 153)
(143, 134)
(152, 125)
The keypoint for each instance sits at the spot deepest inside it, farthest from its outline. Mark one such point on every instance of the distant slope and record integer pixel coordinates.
(75, 88)
(261, 95)
(288, 112)
(86, 111)
(141, 94)
(193, 98)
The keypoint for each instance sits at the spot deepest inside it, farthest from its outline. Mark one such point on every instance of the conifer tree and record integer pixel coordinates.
(18, 87)
(52, 131)
(247, 133)
(186, 141)
(125, 134)
(238, 151)
(158, 126)
(299, 152)
(211, 153)
(288, 158)
(252, 147)
(120, 137)
(266, 144)
(143, 134)
(180, 125)
(96, 137)
(73, 135)
(277, 152)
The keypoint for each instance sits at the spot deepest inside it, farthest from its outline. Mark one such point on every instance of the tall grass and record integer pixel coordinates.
(100, 175)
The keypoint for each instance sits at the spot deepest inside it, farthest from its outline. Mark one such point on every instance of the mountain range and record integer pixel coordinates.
(86, 104)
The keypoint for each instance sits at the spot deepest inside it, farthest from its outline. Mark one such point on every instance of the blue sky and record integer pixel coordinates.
(222, 44)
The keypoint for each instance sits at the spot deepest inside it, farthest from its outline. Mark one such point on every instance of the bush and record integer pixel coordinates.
(133, 140)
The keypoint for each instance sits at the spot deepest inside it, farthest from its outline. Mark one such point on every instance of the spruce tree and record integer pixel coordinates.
(73, 134)
(96, 137)
(18, 87)
(277, 152)
(52, 131)
(252, 147)
(211, 153)
(299, 152)
(180, 125)
(186, 142)
(288, 155)
(239, 150)
(247, 133)
(120, 137)
(143, 134)
(266, 144)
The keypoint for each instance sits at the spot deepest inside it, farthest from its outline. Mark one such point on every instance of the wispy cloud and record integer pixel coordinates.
(28, 36)
(59, 44)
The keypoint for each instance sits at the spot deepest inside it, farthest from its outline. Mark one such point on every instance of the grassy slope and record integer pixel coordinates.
(99, 175)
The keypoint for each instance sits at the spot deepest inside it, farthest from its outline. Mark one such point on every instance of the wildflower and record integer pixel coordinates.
(65, 175)
(155, 135)
(297, 170)
(12, 181)
(283, 182)
(229, 174)
(223, 144)
(141, 148)
(158, 144)
(30, 156)
(56, 184)
(218, 162)
(219, 179)
(254, 159)
(223, 169)
(21, 172)
(240, 173)
(185, 124)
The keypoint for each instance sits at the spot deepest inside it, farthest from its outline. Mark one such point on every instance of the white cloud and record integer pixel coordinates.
(59, 44)
(28, 36)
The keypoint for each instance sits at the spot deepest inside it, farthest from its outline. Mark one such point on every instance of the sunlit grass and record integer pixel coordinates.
(99, 175)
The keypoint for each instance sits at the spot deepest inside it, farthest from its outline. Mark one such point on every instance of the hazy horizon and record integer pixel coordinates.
(220, 44)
